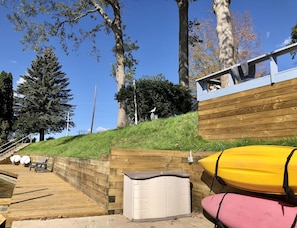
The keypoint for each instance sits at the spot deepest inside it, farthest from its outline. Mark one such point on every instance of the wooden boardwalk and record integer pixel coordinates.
(45, 195)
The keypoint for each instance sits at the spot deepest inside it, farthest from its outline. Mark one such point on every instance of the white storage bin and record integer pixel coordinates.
(156, 195)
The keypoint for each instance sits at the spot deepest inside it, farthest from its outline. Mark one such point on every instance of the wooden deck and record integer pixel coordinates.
(45, 195)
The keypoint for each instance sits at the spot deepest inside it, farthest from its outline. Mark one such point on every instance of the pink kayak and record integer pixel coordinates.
(242, 211)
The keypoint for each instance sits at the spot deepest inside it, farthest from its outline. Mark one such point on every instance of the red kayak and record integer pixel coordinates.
(241, 211)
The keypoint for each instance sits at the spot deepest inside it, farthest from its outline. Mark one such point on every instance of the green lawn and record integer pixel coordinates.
(174, 133)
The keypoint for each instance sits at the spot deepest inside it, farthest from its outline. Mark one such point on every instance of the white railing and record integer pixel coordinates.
(245, 72)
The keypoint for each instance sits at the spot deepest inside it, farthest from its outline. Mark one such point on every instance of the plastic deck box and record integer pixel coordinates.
(156, 195)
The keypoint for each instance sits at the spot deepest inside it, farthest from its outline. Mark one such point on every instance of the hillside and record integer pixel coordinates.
(174, 133)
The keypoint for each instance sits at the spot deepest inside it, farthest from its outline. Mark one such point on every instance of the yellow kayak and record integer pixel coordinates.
(258, 168)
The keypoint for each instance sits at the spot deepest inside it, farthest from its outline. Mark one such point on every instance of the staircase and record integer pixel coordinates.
(14, 146)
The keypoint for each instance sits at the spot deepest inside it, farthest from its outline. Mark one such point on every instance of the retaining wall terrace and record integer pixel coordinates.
(103, 179)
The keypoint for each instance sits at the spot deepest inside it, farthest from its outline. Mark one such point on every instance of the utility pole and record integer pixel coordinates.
(94, 108)
(67, 123)
(135, 103)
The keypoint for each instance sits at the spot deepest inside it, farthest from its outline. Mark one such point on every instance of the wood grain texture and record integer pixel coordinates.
(268, 112)
(45, 195)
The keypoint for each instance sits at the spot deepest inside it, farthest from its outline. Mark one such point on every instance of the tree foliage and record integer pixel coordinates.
(294, 38)
(204, 46)
(6, 106)
(73, 22)
(168, 98)
(294, 34)
(42, 99)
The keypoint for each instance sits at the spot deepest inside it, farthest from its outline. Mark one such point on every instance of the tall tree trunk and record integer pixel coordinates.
(225, 36)
(41, 135)
(183, 53)
(120, 59)
(116, 26)
(120, 78)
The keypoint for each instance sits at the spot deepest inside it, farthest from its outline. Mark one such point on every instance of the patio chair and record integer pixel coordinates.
(40, 165)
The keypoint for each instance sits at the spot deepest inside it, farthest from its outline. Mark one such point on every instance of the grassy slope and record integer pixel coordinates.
(174, 133)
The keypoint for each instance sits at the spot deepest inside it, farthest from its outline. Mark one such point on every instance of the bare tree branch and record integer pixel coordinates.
(102, 13)
(77, 18)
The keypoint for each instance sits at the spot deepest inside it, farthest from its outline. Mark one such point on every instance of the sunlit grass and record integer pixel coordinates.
(174, 133)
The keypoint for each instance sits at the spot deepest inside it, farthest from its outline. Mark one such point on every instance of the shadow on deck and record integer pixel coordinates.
(45, 195)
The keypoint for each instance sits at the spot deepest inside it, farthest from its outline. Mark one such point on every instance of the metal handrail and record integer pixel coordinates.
(14, 144)
(202, 83)
(262, 58)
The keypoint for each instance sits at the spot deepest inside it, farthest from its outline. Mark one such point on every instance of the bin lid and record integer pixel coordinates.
(151, 174)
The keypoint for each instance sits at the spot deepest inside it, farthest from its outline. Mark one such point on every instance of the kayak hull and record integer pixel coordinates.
(258, 168)
(242, 211)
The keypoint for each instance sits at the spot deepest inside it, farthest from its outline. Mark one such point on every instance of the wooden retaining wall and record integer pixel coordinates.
(124, 160)
(268, 112)
(87, 175)
(103, 180)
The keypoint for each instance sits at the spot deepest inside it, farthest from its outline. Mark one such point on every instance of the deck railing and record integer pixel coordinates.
(13, 144)
(245, 73)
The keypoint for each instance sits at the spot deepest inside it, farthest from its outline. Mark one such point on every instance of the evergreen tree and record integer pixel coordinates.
(44, 21)
(42, 99)
(6, 106)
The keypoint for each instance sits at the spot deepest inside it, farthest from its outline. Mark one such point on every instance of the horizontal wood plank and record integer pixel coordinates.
(268, 112)
(40, 195)
(261, 105)
(286, 87)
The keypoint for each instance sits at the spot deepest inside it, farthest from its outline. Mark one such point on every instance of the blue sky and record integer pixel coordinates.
(154, 24)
